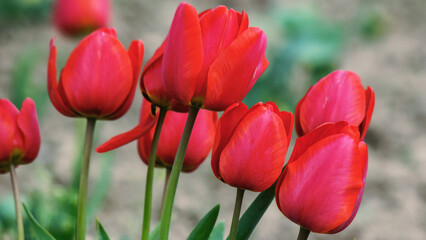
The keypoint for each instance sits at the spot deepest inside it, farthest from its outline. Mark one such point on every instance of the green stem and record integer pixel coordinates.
(303, 234)
(166, 213)
(150, 176)
(19, 222)
(166, 183)
(84, 179)
(236, 216)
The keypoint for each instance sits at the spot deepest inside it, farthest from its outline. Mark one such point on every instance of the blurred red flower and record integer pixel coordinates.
(19, 134)
(250, 145)
(99, 78)
(79, 17)
(200, 142)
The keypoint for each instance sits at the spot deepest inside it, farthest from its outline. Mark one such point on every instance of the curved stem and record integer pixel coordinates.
(150, 176)
(166, 183)
(166, 213)
(236, 216)
(303, 234)
(84, 179)
(18, 211)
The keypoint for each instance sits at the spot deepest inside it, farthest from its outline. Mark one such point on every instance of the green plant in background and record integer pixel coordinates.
(13, 11)
(55, 210)
(308, 43)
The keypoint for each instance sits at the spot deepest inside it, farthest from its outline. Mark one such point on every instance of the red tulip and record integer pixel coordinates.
(152, 85)
(212, 59)
(322, 185)
(339, 96)
(99, 78)
(200, 142)
(19, 134)
(79, 17)
(250, 145)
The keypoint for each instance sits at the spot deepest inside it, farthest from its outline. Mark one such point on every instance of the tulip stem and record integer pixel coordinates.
(84, 179)
(166, 183)
(18, 211)
(166, 213)
(303, 234)
(236, 215)
(150, 176)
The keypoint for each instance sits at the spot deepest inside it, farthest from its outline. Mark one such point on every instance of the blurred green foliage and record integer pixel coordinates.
(309, 43)
(13, 11)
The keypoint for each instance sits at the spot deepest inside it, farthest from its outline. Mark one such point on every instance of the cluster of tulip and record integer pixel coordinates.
(208, 62)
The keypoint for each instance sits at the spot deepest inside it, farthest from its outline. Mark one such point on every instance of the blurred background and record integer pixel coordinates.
(382, 41)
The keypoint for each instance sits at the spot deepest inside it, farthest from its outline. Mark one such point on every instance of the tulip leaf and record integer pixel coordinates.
(254, 213)
(155, 234)
(102, 235)
(218, 232)
(205, 226)
(37, 231)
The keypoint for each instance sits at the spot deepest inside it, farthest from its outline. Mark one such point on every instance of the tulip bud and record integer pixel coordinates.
(200, 142)
(338, 96)
(79, 17)
(250, 145)
(99, 79)
(322, 185)
(19, 134)
(212, 59)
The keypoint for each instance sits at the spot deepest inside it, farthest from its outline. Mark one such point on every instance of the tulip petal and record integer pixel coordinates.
(370, 101)
(243, 22)
(183, 54)
(364, 158)
(9, 113)
(200, 142)
(255, 154)
(136, 51)
(287, 118)
(97, 77)
(225, 128)
(319, 189)
(337, 97)
(146, 123)
(28, 126)
(52, 84)
(232, 74)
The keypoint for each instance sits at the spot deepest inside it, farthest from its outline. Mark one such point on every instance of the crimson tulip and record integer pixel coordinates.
(212, 59)
(19, 134)
(79, 17)
(339, 96)
(99, 79)
(200, 142)
(250, 145)
(153, 87)
(322, 185)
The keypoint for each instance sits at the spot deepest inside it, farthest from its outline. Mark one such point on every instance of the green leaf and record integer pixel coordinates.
(254, 213)
(205, 226)
(155, 234)
(102, 235)
(218, 232)
(37, 231)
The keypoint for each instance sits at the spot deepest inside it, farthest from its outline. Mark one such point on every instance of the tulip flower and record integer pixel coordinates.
(249, 149)
(153, 87)
(250, 145)
(98, 82)
(322, 185)
(212, 59)
(79, 17)
(200, 142)
(339, 96)
(99, 79)
(19, 144)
